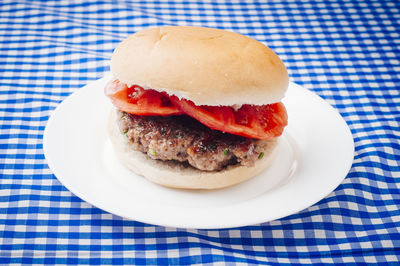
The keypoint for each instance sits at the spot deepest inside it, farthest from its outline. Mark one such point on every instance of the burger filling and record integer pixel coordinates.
(184, 139)
(208, 138)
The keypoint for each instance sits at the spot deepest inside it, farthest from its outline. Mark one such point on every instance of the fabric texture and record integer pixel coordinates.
(346, 51)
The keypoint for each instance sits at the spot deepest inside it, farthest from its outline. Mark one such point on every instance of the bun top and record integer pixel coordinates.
(207, 66)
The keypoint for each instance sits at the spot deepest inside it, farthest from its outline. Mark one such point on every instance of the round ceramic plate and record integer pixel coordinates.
(314, 155)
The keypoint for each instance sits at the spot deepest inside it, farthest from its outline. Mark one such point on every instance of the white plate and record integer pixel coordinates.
(315, 154)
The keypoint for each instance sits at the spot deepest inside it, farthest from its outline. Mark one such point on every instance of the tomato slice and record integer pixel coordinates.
(136, 100)
(252, 121)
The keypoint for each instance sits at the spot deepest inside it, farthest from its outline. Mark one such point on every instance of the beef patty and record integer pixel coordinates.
(184, 139)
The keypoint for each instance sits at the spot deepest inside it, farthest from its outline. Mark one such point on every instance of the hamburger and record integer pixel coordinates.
(195, 108)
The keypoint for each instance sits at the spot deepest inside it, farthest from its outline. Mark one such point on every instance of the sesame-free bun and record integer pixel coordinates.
(207, 66)
(177, 175)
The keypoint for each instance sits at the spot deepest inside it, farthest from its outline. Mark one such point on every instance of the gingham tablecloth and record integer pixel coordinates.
(346, 51)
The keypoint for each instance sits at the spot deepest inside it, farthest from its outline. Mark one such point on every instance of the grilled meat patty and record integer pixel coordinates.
(184, 139)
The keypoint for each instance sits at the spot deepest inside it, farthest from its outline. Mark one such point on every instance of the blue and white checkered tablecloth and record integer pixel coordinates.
(347, 51)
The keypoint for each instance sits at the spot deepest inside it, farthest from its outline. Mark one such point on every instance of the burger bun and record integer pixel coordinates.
(207, 66)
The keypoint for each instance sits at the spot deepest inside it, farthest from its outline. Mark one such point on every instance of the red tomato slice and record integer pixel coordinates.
(136, 100)
(252, 121)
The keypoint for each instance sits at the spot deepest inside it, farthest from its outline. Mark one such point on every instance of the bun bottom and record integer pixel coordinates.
(177, 175)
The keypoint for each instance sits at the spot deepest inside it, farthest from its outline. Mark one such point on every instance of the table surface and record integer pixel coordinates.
(346, 51)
